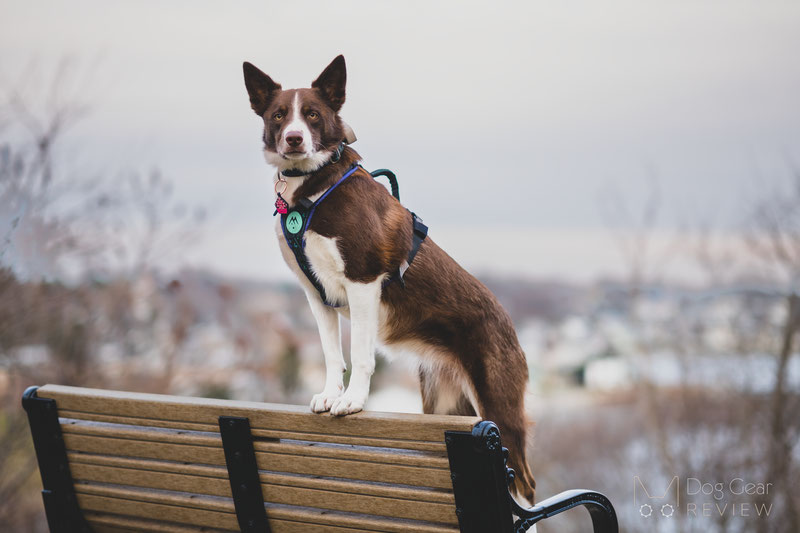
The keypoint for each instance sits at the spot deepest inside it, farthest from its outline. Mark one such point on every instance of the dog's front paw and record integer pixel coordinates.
(347, 404)
(324, 400)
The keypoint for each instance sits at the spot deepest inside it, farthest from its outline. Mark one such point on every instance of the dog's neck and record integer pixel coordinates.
(312, 185)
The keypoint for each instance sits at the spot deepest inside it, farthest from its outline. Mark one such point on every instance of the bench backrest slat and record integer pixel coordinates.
(430, 446)
(105, 523)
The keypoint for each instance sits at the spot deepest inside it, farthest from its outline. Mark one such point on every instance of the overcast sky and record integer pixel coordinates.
(507, 122)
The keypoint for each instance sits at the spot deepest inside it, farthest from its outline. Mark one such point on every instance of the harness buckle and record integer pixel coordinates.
(419, 227)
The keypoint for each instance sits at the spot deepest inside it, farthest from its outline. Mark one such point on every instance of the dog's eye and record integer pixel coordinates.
(313, 115)
(277, 117)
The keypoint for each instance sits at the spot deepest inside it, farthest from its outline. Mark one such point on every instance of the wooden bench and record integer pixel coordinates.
(118, 461)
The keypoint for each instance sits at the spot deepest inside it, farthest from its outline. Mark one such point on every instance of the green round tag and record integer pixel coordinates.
(294, 222)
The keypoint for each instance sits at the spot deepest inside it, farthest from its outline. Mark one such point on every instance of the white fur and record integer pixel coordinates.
(446, 400)
(297, 124)
(325, 259)
(449, 379)
(326, 317)
(363, 301)
(310, 164)
(310, 159)
(330, 335)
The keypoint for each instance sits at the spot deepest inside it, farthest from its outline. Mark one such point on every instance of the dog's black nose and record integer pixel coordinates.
(294, 138)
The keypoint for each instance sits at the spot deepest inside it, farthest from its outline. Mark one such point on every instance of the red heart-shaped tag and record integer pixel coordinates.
(281, 206)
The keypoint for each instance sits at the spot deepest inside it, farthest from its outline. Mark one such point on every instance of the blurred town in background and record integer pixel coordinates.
(637, 374)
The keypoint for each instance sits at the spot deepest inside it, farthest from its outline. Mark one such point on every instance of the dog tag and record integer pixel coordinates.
(294, 222)
(281, 206)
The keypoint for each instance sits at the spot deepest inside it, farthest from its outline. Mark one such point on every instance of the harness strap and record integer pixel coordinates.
(294, 225)
(295, 222)
(392, 180)
(325, 195)
(419, 234)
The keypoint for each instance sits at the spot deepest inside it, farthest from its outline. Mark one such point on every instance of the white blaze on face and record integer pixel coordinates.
(298, 124)
(309, 159)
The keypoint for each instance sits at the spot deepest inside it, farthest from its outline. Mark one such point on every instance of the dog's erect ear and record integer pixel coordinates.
(332, 81)
(260, 87)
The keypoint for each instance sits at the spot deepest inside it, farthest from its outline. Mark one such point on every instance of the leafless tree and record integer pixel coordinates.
(60, 225)
(774, 239)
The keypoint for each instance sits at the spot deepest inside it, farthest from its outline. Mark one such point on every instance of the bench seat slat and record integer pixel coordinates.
(185, 509)
(429, 428)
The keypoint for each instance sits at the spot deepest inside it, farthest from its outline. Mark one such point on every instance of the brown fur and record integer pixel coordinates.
(441, 306)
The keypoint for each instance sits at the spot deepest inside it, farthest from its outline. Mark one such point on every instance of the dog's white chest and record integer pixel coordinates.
(325, 260)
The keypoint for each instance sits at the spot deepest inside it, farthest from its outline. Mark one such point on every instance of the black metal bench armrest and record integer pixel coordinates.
(483, 500)
(604, 518)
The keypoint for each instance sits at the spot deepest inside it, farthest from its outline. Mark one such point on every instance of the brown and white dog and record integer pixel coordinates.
(470, 361)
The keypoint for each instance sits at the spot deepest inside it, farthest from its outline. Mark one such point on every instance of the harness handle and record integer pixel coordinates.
(392, 180)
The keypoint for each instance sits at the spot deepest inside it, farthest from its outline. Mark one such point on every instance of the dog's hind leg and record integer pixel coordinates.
(443, 393)
(501, 399)
(446, 392)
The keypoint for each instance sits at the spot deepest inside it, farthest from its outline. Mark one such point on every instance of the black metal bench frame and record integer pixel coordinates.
(477, 467)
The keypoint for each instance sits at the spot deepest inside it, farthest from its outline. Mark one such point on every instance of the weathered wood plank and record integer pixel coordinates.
(198, 511)
(275, 462)
(261, 433)
(429, 428)
(109, 523)
(166, 512)
(320, 496)
(194, 471)
(334, 451)
(148, 450)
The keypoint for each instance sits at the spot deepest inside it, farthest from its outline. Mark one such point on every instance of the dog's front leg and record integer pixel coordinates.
(329, 333)
(364, 300)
